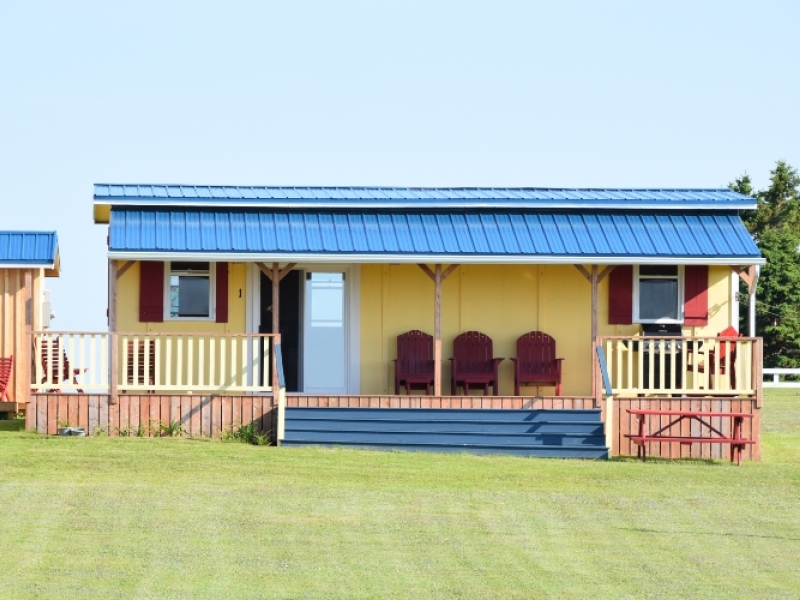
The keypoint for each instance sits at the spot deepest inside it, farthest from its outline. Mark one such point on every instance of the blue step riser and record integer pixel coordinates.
(424, 414)
(489, 427)
(412, 437)
(544, 452)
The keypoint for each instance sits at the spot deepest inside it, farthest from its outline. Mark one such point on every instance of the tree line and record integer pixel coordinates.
(775, 227)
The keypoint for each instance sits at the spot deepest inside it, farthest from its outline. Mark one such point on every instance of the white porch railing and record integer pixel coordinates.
(776, 378)
(152, 362)
(682, 365)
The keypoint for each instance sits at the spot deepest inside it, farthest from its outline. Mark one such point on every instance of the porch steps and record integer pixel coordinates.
(548, 433)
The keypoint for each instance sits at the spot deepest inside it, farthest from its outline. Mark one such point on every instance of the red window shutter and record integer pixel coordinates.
(620, 295)
(151, 292)
(695, 285)
(222, 292)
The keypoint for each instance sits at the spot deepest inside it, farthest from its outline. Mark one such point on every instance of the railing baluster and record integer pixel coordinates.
(201, 361)
(179, 368)
(190, 361)
(168, 363)
(212, 361)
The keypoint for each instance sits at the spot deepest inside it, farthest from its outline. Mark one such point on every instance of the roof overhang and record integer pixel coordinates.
(337, 258)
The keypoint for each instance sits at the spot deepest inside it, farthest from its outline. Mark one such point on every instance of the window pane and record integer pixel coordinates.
(658, 299)
(193, 295)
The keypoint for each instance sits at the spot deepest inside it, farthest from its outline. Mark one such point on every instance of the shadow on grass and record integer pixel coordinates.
(737, 534)
(655, 460)
(12, 425)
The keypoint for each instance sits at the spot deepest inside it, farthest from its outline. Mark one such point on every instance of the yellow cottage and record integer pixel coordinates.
(634, 288)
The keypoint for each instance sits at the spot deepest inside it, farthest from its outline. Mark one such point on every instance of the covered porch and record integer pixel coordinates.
(208, 384)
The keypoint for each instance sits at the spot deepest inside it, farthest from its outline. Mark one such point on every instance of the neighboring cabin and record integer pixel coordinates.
(26, 258)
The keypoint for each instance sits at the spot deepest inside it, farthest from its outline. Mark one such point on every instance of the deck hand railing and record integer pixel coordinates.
(151, 362)
(719, 366)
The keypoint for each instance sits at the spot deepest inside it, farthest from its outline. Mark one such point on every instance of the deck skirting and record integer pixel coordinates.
(209, 416)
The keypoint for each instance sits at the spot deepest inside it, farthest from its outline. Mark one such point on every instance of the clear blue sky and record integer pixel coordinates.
(574, 94)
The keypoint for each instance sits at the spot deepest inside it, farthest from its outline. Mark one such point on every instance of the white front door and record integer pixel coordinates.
(325, 333)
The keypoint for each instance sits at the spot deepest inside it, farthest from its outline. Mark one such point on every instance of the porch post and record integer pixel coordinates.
(113, 275)
(437, 332)
(275, 274)
(276, 298)
(594, 277)
(750, 277)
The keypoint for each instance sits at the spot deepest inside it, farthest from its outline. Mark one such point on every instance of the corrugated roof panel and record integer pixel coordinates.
(447, 233)
(506, 232)
(477, 234)
(313, 233)
(581, 233)
(282, 232)
(567, 234)
(238, 234)
(417, 231)
(456, 234)
(357, 233)
(430, 228)
(655, 235)
(344, 241)
(388, 233)
(297, 229)
(269, 237)
(373, 233)
(404, 242)
(492, 232)
(461, 231)
(595, 234)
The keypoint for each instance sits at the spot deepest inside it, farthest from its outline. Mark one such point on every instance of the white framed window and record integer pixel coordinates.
(189, 291)
(658, 294)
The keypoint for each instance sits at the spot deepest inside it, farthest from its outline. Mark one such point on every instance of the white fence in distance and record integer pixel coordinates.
(776, 378)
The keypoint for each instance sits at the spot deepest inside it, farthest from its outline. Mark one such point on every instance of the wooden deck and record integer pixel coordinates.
(209, 416)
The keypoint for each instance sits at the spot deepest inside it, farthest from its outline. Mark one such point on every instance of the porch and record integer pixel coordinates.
(138, 384)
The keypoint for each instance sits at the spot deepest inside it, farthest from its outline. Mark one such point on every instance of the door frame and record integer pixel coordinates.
(352, 313)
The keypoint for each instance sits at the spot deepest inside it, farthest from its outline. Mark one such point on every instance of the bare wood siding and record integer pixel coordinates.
(627, 424)
(13, 339)
(206, 416)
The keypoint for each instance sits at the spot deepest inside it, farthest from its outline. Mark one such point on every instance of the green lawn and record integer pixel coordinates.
(144, 518)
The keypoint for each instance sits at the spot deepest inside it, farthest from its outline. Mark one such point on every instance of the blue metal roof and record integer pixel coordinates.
(28, 248)
(339, 198)
(463, 236)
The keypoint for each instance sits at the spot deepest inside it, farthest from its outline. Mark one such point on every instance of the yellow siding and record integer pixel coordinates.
(503, 301)
(128, 306)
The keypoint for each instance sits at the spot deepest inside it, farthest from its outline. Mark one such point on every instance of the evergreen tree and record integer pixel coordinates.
(775, 226)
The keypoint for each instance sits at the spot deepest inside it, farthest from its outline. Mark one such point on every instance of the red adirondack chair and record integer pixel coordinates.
(414, 363)
(55, 364)
(536, 362)
(473, 363)
(727, 357)
(6, 365)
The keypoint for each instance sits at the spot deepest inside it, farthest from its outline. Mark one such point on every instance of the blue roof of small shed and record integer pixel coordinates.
(554, 236)
(402, 198)
(28, 249)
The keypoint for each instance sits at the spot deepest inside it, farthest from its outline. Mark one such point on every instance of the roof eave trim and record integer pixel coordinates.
(273, 204)
(479, 259)
(29, 265)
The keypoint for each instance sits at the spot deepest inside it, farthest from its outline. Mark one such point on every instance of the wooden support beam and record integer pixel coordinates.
(428, 271)
(113, 276)
(605, 272)
(437, 332)
(287, 269)
(747, 274)
(449, 271)
(276, 298)
(24, 382)
(123, 268)
(266, 271)
(583, 271)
